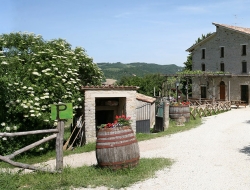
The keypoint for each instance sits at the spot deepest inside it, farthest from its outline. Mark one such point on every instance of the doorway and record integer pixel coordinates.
(104, 117)
(244, 93)
(203, 92)
(222, 90)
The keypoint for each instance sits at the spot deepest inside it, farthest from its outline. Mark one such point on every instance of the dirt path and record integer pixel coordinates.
(212, 156)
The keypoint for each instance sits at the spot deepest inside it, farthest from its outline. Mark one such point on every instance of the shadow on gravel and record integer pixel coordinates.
(246, 150)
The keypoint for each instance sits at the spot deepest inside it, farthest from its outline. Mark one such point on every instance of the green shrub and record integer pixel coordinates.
(34, 74)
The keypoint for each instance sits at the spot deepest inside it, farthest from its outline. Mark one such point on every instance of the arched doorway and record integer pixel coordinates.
(222, 90)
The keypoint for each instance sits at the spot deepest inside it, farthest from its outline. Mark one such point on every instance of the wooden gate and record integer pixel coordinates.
(143, 114)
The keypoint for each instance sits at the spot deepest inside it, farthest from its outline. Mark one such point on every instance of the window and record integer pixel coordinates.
(244, 67)
(244, 49)
(203, 67)
(221, 51)
(222, 67)
(203, 52)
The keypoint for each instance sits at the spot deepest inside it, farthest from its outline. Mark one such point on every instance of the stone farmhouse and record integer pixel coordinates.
(227, 52)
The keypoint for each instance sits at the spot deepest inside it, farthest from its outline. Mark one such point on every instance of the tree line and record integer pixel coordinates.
(118, 70)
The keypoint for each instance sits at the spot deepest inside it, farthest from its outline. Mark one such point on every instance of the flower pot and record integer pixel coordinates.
(117, 148)
(175, 112)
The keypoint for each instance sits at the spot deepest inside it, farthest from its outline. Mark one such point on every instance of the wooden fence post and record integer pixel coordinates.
(59, 145)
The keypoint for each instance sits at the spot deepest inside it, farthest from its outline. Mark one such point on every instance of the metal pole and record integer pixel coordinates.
(187, 91)
(177, 92)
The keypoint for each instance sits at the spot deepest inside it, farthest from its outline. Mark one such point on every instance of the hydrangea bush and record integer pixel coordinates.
(35, 73)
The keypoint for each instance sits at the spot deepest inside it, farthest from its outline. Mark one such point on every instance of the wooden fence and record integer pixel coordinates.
(207, 108)
(59, 147)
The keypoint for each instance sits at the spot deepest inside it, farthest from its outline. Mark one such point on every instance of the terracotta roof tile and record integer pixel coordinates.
(145, 98)
(109, 87)
(230, 27)
(236, 28)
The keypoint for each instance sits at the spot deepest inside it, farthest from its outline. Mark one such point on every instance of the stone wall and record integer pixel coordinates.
(232, 42)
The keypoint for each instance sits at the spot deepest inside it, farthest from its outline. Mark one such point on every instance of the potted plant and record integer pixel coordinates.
(116, 144)
(119, 121)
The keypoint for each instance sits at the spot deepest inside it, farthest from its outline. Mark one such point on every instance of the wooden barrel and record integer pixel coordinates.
(176, 112)
(117, 148)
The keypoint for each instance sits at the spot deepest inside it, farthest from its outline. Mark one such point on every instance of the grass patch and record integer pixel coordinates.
(86, 176)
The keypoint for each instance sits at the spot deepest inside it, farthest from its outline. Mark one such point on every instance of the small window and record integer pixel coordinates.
(203, 68)
(222, 67)
(203, 52)
(244, 49)
(221, 51)
(244, 67)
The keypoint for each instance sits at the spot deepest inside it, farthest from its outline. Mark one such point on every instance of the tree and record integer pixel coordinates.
(146, 83)
(34, 74)
(188, 63)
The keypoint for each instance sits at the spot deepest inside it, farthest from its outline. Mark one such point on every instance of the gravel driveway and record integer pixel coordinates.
(214, 156)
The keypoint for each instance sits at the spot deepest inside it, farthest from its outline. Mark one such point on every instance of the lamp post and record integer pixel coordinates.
(177, 86)
(186, 93)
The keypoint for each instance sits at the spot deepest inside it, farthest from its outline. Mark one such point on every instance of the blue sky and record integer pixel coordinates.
(150, 31)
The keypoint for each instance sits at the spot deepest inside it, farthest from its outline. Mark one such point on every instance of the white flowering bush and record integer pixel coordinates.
(35, 73)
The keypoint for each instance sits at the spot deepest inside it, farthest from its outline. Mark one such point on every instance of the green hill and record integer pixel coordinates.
(117, 70)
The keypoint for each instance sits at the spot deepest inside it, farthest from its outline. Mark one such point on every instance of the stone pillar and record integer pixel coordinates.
(165, 114)
(90, 130)
(131, 108)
